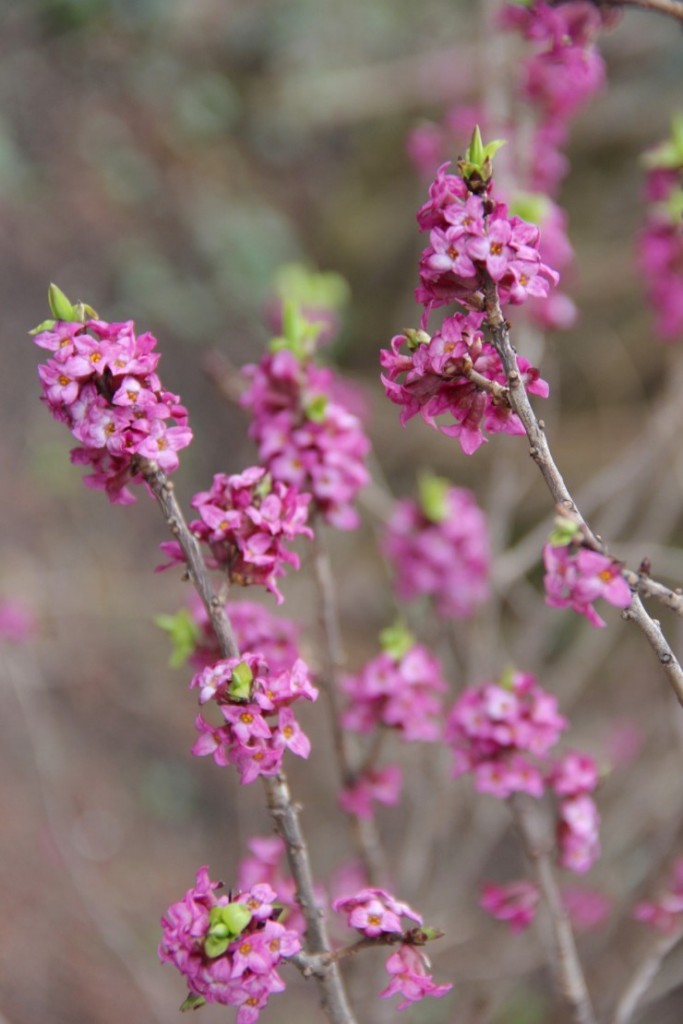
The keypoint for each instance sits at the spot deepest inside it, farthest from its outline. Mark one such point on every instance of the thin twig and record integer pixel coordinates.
(284, 811)
(643, 977)
(654, 636)
(565, 960)
(539, 450)
(366, 836)
(672, 8)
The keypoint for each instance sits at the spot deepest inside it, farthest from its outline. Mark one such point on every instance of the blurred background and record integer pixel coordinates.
(160, 159)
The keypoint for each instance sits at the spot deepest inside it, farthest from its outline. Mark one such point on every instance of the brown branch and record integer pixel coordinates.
(365, 833)
(564, 959)
(643, 977)
(284, 811)
(672, 8)
(539, 450)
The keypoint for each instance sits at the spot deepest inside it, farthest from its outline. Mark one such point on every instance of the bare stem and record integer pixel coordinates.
(672, 8)
(284, 811)
(539, 450)
(643, 977)
(365, 833)
(564, 959)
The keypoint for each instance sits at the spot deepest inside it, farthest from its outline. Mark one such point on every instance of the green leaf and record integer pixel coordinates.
(433, 493)
(475, 151)
(215, 945)
(396, 640)
(240, 682)
(192, 1002)
(46, 325)
(60, 307)
(415, 338)
(183, 632)
(316, 407)
(564, 532)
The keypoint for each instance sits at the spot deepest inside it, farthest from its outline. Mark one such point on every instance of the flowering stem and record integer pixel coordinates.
(565, 960)
(644, 976)
(284, 811)
(365, 833)
(539, 450)
(164, 492)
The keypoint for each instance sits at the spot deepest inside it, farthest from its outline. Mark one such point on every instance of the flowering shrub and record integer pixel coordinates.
(484, 255)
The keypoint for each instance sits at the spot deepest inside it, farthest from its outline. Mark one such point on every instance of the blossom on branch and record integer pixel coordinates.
(575, 577)
(258, 723)
(410, 977)
(305, 436)
(439, 548)
(516, 903)
(497, 731)
(227, 947)
(244, 521)
(455, 373)
(101, 381)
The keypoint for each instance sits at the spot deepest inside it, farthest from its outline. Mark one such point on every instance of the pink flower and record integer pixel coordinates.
(245, 521)
(577, 578)
(249, 700)
(446, 558)
(306, 437)
(587, 908)
(375, 912)
(665, 914)
(399, 690)
(515, 903)
(578, 833)
(574, 774)
(382, 785)
(409, 969)
(496, 731)
(102, 382)
(431, 378)
(227, 947)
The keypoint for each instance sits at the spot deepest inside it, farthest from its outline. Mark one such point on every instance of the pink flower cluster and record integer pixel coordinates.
(437, 379)
(575, 577)
(516, 903)
(429, 145)
(573, 778)
(245, 520)
(101, 381)
(560, 78)
(376, 913)
(470, 237)
(373, 785)
(305, 436)
(258, 721)
(502, 733)
(275, 638)
(497, 731)
(228, 948)
(665, 914)
(445, 557)
(660, 249)
(401, 692)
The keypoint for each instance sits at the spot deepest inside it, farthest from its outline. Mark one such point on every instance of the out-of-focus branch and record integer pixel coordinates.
(643, 977)
(366, 836)
(672, 8)
(284, 811)
(565, 960)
